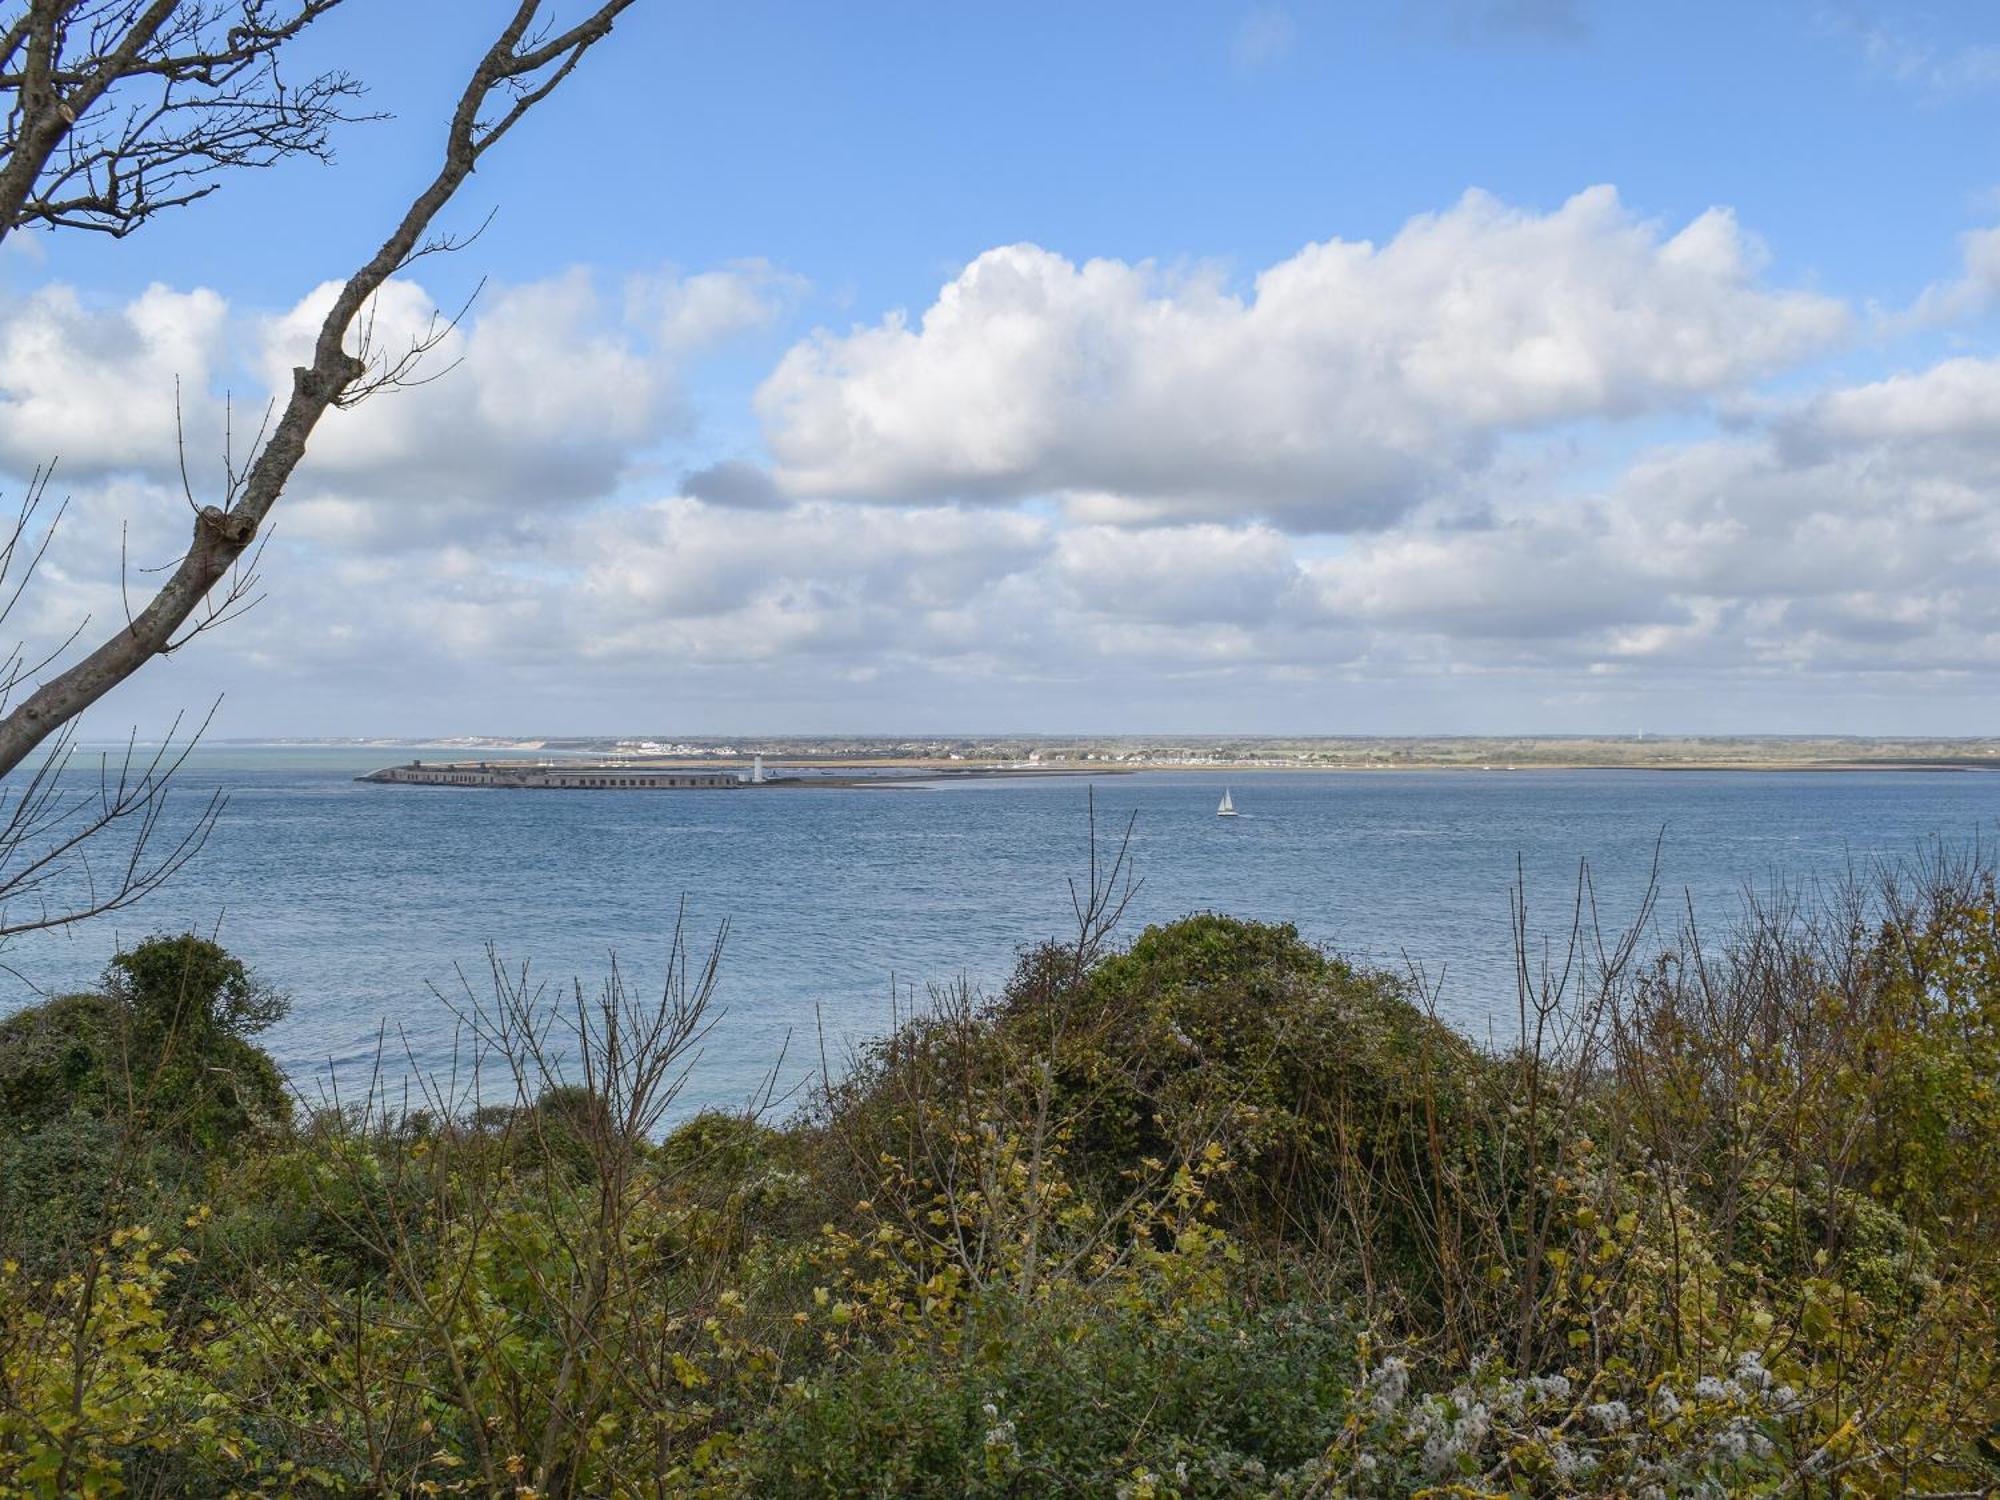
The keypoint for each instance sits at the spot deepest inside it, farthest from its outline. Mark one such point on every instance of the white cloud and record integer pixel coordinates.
(1744, 555)
(485, 532)
(1955, 404)
(1353, 380)
(708, 580)
(696, 312)
(1204, 574)
(1968, 295)
(541, 401)
(1867, 548)
(543, 398)
(95, 388)
(1852, 539)
(1845, 543)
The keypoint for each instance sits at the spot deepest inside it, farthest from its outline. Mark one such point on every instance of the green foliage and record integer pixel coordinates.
(1216, 1215)
(96, 1386)
(1077, 1397)
(1311, 1072)
(163, 1049)
(187, 986)
(63, 1182)
(1929, 1075)
(62, 1057)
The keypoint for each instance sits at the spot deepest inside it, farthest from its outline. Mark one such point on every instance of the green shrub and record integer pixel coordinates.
(63, 1057)
(1216, 1215)
(66, 1182)
(163, 1049)
(1320, 1079)
(1083, 1397)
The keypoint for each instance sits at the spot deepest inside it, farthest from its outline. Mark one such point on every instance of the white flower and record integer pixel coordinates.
(1569, 1463)
(1750, 1371)
(1731, 1445)
(1714, 1388)
(1550, 1387)
(1666, 1404)
(1391, 1381)
(999, 1435)
(1610, 1416)
(1447, 1438)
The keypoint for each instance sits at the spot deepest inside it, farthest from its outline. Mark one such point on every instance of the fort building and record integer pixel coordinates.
(581, 777)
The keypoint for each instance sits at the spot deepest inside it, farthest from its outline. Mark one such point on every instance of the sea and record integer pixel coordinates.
(376, 906)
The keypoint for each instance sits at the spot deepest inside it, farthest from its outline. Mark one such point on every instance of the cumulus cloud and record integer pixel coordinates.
(1851, 539)
(1952, 407)
(1968, 295)
(734, 483)
(808, 578)
(1353, 380)
(542, 397)
(695, 312)
(541, 401)
(1365, 469)
(1201, 574)
(96, 387)
(1867, 548)
(1757, 557)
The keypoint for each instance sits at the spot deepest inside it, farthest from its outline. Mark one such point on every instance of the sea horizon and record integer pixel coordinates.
(361, 900)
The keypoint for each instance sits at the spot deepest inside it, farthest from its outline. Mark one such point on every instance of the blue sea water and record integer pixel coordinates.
(359, 898)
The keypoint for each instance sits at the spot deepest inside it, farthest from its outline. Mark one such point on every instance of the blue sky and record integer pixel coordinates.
(1528, 461)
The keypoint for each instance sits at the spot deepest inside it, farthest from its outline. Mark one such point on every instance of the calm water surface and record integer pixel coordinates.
(357, 898)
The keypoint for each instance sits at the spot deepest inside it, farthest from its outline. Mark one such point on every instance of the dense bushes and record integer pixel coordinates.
(113, 1104)
(164, 1046)
(1068, 1397)
(1214, 1215)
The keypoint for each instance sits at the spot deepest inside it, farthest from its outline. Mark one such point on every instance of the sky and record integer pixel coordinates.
(1458, 366)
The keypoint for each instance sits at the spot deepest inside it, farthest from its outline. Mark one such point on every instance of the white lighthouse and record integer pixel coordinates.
(757, 771)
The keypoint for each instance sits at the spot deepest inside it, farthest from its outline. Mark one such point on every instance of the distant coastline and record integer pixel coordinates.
(872, 760)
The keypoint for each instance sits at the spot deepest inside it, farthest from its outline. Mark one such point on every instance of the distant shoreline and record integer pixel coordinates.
(825, 760)
(797, 773)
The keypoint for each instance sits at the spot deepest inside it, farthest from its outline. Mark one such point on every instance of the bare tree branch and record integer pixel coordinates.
(520, 69)
(117, 109)
(53, 821)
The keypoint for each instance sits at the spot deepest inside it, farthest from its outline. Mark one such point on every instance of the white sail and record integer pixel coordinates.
(1227, 809)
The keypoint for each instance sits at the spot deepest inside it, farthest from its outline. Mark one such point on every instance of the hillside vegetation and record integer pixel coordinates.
(1212, 1214)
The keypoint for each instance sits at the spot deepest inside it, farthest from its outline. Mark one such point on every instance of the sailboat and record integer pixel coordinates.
(1227, 808)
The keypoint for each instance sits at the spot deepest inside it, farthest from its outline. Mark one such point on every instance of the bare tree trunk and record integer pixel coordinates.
(47, 114)
(114, 111)
(336, 377)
